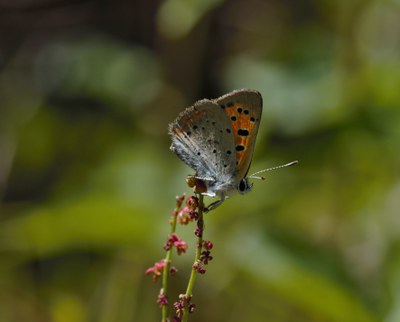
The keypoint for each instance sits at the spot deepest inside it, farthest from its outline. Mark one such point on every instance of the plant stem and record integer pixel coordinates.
(168, 259)
(193, 274)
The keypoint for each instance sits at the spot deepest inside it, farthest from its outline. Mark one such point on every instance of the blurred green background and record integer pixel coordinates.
(87, 181)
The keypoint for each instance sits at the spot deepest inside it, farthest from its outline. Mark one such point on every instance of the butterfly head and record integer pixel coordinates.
(244, 186)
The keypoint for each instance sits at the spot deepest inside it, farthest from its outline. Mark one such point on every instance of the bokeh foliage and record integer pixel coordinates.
(87, 182)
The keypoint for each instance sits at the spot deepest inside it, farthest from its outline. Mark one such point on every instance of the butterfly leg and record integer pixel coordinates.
(215, 204)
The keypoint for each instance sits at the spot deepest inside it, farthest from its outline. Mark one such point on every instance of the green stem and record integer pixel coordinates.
(168, 259)
(199, 248)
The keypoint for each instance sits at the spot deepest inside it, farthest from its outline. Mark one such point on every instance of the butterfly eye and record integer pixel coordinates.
(244, 186)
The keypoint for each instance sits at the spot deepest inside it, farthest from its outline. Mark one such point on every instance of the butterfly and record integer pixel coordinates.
(216, 138)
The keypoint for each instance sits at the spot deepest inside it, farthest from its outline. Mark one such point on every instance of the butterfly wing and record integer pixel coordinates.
(202, 138)
(243, 108)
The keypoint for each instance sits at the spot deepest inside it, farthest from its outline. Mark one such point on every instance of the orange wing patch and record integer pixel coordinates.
(243, 131)
(244, 111)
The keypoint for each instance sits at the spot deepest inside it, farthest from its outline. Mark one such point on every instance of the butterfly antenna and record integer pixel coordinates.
(254, 175)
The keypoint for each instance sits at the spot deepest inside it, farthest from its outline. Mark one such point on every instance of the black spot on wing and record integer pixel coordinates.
(243, 132)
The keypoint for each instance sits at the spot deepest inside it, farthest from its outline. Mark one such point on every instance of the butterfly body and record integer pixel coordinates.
(216, 138)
